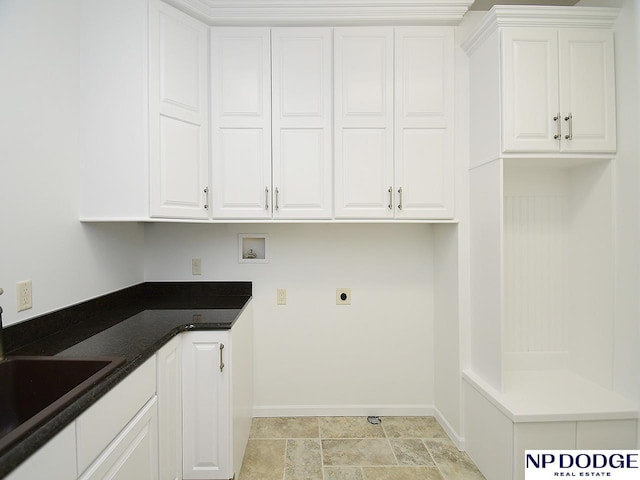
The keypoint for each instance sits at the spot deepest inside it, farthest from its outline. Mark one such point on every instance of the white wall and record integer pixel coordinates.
(40, 236)
(311, 356)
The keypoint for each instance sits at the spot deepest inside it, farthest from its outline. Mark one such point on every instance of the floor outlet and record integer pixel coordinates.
(196, 266)
(25, 300)
(282, 296)
(343, 296)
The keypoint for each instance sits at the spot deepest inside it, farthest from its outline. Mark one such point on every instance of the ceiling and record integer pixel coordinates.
(487, 4)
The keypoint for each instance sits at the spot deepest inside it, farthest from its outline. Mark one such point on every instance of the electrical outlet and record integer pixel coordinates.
(196, 266)
(282, 296)
(343, 296)
(25, 299)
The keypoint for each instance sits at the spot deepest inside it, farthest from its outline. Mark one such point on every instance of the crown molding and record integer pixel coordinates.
(325, 12)
(540, 16)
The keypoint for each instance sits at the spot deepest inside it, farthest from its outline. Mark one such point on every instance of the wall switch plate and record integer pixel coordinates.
(343, 296)
(282, 296)
(25, 299)
(196, 266)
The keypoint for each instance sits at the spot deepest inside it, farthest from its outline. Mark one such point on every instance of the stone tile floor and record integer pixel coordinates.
(350, 448)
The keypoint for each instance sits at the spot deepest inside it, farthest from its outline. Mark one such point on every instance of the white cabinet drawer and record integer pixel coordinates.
(134, 453)
(99, 425)
(56, 460)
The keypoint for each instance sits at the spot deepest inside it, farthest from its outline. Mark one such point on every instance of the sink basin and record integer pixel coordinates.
(34, 389)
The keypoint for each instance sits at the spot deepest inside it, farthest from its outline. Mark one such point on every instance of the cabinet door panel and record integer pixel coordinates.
(241, 122)
(588, 90)
(169, 372)
(206, 422)
(301, 174)
(242, 173)
(421, 172)
(133, 453)
(367, 173)
(178, 116)
(302, 122)
(180, 65)
(424, 160)
(179, 167)
(530, 90)
(363, 122)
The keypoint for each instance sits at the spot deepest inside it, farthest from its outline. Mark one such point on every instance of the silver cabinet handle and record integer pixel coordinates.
(206, 198)
(266, 198)
(390, 198)
(400, 193)
(277, 199)
(221, 362)
(569, 118)
(558, 127)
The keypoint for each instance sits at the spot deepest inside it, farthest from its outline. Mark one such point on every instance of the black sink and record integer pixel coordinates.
(34, 389)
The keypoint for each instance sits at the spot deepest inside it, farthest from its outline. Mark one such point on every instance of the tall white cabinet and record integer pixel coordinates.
(542, 190)
(301, 122)
(393, 122)
(178, 113)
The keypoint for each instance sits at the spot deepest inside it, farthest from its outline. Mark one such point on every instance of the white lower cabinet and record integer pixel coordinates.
(133, 454)
(56, 460)
(183, 414)
(217, 389)
(206, 422)
(117, 436)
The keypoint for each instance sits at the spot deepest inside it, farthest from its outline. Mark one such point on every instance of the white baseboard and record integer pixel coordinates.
(457, 440)
(343, 410)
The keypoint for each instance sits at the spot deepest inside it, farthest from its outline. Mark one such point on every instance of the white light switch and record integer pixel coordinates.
(196, 266)
(282, 296)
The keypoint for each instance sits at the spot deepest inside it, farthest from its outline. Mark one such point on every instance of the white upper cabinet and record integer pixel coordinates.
(271, 123)
(393, 123)
(424, 82)
(301, 122)
(178, 114)
(363, 109)
(559, 91)
(241, 122)
(544, 81)
(587, 90)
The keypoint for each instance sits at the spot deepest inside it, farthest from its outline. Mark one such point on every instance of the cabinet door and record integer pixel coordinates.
(302, 122)
(133, 453)
(169, 371)
(530, 90)
(587, 90)
(241, 122)
(424, 84)
(178, 142)
(56, 460)
(206, 419)
(363, 62)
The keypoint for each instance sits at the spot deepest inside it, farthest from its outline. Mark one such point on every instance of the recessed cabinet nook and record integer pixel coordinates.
(542, 238)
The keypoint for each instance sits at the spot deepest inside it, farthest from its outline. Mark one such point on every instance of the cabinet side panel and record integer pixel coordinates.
(488, 435)
(484, 98)
(170, 410)
(241, 384)
(486, 272)
(114, 109)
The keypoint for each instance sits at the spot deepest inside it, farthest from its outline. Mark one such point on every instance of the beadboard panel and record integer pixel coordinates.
(535, 273)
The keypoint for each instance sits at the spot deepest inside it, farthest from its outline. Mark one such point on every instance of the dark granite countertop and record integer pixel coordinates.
(132, 323)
